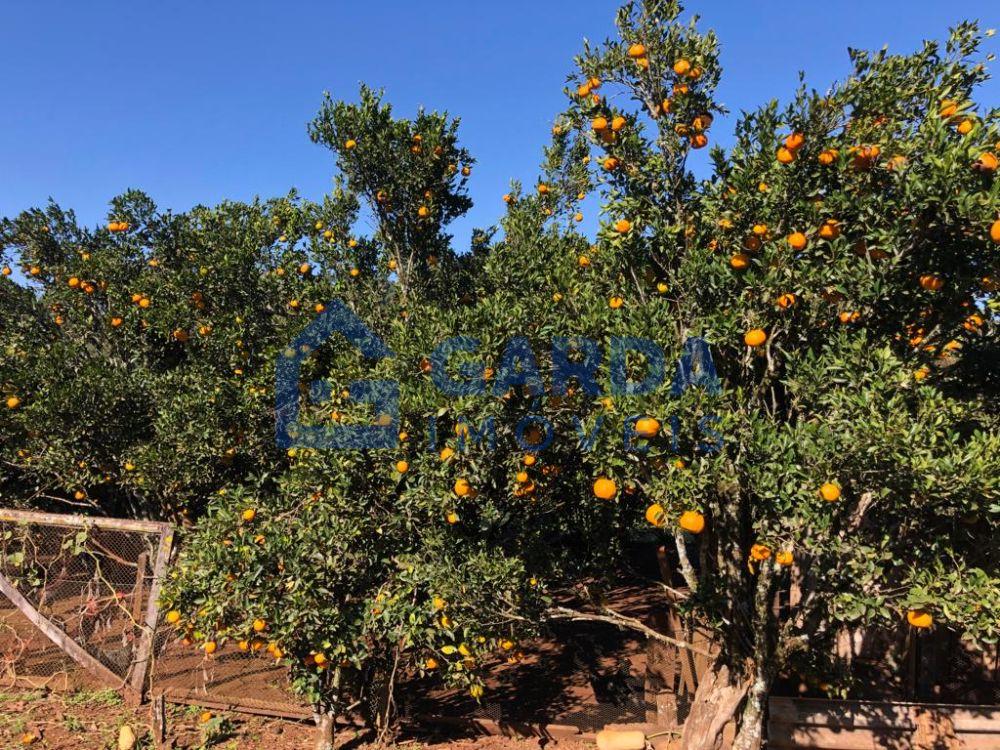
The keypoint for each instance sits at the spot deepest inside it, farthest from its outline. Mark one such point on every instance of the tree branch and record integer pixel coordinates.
(622, 621)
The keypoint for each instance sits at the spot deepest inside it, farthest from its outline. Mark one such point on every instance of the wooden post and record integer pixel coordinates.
(158, 721)
(144, 650)
(140, 587)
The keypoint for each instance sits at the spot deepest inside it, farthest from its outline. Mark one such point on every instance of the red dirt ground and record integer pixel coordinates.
(92, 721)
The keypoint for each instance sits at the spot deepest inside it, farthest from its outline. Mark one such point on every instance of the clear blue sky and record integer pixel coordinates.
(198, 101)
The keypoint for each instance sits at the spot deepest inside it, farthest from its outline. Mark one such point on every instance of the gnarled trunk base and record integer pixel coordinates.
(324, 730)
(716, 703)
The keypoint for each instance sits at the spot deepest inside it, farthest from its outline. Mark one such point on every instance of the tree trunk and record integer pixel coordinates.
(716, 702)
(324, 729)
(752, 722)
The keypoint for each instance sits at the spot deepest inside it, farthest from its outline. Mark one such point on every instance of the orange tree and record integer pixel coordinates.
(840, 262)
(135, 374)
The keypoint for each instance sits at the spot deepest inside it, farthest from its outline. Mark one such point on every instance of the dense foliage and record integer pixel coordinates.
(841, 263)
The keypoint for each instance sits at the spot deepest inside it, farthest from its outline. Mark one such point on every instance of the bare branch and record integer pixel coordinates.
(622, 621)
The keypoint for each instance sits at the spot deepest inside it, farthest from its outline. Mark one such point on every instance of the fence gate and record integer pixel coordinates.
(79, 589)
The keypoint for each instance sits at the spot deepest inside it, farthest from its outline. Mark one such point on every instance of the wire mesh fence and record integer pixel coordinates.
(79, 592)
(78, 610)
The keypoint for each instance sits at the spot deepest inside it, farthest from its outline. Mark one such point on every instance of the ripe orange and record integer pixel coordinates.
(423, 212)
(647, 427)
(987, 162)
(402, 467)
(739, 261)
(682, 67)
(73, 282)
(702, 122)
(173, 617)
(350, 143)
(636, 51)
(784, 557)
(995, 231)
(583, 261)
(210, 647)
(610, 164)
(615, 302)
(785, 156)
(430, 663)
(948, 108)
(618, 122)
(755, 337)
(794, 141)
(931, 282)
(462, 487)
(655, 515)
(507, 198)
(599, 124)
(543, 189)
(699, 140)
(692, 521)
(622, 226)
(865, 156)
(6, 271)
(451, 517)
(896, 162)
(920, 618)
(965, 126)
(797, 241)
(249, 515)
(828, 157)
(259, 626)
(830, 492)
(760, 552)
(786, 300)
(830, 230)
(973, 323)
(13, 402)
(605, 488)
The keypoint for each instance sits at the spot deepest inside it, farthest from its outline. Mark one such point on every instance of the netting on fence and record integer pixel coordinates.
(77, 609)
(582, 677)
(78, 599)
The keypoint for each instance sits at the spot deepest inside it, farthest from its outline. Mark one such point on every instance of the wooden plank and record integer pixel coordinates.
(872, 714)
(824, 738)
(57, 636)
(196, 698)
(144, 650)
(66, 520)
